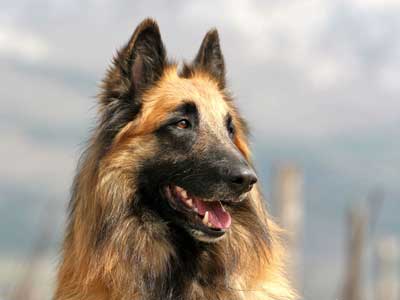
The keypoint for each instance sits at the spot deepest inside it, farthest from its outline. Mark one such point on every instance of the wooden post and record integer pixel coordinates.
(287, 194)
(387, 281)
(357, 225)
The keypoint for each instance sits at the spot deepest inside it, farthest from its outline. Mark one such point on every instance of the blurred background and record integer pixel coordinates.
(317, 81)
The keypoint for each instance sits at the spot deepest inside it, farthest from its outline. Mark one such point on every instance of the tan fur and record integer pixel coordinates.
(112, 271)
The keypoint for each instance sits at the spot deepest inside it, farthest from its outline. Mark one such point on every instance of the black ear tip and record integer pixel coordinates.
(212, 35)
(148, 24)
(147, 28)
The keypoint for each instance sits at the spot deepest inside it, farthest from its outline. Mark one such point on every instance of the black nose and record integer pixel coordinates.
(243, 178)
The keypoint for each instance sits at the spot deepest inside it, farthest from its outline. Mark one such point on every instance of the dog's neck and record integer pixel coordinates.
(195, 270)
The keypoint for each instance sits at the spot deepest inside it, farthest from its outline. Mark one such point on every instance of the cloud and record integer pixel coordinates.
(43, 123)
(30, 162)
(43, 95)
(308, 69)
(22, 44)
(299, 69)
(377, 4)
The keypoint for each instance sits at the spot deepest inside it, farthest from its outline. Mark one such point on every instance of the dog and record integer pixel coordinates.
(165, 203)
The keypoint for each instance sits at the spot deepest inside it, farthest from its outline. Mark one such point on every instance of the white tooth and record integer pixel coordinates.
(184, 194)
(223, 208)
(205, 218)
(196, 210)
(189, 202)
(209, 224)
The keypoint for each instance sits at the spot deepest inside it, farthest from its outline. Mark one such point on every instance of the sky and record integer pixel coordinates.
(316, 80)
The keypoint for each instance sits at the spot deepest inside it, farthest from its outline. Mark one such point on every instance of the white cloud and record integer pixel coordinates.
(22, 44)
(32, 162)
(389, 77)
(41, 99)
(326, 72)
(327, 58)
(377, 4)
(268, 32)
(303, 68)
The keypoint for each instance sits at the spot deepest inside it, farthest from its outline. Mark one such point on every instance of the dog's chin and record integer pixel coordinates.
(206, 220)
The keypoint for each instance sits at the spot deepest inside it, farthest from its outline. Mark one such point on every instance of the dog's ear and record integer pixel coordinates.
(144, 55)
(210, 58)
(136, 67)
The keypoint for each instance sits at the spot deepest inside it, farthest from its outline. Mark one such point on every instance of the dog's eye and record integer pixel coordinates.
(231, 129)
(183, 124)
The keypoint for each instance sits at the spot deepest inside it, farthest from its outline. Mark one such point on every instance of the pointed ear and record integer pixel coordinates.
(210, 58)
(144, 55)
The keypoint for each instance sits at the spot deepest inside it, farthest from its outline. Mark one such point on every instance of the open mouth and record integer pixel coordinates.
(209, 216)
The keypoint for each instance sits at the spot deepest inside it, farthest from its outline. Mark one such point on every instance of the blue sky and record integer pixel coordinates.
(317, 80)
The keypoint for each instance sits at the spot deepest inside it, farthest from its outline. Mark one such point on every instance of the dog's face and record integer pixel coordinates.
(195, 167)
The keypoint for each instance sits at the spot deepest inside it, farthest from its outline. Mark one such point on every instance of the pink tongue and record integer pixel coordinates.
(217, 216)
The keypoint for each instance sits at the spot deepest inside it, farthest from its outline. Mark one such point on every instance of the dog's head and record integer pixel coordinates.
(174, 136)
